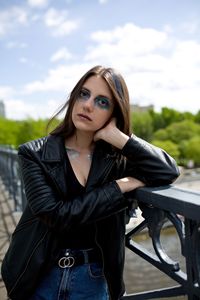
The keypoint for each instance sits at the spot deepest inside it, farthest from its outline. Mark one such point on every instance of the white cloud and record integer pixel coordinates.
(21, 109)
(158, 68)
(59, 22)
(168, 28)
(133, 35)
(5, 92)
(60, 79)
(190, 27)
(11, 18)
(18, 109)
(36, 17)
(23, 60)
(125, 44)
(103, 1)
(165, 72)
(62, 53)
(16, 44)
(187, 53)
(38, 3)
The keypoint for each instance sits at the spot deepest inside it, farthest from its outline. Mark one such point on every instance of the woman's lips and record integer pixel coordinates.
(85, 117)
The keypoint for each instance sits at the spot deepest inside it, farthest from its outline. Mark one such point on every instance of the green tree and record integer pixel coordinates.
(191, 149)
(157, 120)
(25, 133)
(170, 116)
(179, 131)
(188, 116)
(168, 146)
(39, 127)
(183, 130)
(17, 132)
(197, 117)
(142, 125)
(161, 134)
(8, 132)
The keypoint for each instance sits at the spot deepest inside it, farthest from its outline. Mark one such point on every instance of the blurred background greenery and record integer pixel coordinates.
(176, 132)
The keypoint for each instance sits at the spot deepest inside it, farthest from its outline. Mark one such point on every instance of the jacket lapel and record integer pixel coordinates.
(102, 163)
(54, 159)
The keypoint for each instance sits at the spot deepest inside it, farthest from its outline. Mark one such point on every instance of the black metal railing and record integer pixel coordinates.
(182, 209)
(159, 205)
(10, 176)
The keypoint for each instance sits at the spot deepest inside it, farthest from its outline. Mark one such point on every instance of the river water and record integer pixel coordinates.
(140, 275)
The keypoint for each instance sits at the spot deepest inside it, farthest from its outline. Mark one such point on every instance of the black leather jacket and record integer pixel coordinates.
(49, 213)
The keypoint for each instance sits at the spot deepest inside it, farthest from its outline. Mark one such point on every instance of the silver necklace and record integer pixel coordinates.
(74, 154)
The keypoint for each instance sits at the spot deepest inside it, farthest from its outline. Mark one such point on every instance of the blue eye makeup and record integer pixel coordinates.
(101, 102)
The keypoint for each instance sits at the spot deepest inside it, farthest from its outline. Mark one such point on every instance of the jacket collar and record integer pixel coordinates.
(53, 157)
(54, 149)
(102, 162)
(54, 152)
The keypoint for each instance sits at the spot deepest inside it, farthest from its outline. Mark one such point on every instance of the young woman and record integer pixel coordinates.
(69, 243)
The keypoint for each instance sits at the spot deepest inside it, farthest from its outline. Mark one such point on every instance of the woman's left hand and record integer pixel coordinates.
(112, 135)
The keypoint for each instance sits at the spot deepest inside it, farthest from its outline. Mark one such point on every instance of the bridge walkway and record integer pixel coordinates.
(8, 221)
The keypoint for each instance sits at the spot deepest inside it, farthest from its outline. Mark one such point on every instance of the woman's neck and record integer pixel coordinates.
(81, 141)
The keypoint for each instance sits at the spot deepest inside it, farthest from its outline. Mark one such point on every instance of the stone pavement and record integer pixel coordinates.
(189, 179)
(8, 221)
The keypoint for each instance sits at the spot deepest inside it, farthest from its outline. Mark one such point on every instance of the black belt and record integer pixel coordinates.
(70, 258)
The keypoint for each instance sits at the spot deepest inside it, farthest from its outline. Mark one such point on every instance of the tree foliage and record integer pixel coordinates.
(15, 133)
(177, 133)
(191, 149)
(169, 147)
(142, 125)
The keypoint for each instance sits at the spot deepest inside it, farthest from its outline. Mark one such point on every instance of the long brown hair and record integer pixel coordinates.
(120, 94)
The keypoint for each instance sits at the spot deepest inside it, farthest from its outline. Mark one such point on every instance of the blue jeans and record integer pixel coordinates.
(84, 282)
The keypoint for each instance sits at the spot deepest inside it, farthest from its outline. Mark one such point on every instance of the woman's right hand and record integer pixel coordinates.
(112, 135)
(128, 184)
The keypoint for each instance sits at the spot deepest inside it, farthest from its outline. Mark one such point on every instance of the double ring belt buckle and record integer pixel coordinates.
(66, 262)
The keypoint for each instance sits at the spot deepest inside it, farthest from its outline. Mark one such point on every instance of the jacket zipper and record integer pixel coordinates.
(104, 173)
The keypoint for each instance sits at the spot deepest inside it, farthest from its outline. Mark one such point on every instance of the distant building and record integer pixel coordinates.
(2, 109)
(138, 108)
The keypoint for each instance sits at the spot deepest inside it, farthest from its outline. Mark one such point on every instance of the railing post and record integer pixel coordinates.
(192, 243)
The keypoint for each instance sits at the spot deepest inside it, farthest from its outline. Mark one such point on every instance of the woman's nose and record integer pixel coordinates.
(89, 104)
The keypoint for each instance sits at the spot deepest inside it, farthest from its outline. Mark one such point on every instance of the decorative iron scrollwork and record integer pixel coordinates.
(155, 219)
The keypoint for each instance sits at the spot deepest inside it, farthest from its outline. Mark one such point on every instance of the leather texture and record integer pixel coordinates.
(34, 245)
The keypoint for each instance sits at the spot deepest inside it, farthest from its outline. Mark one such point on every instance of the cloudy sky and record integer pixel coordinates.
(47, 45)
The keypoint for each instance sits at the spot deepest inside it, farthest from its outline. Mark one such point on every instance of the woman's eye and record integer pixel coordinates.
(84, 95)
(103, 102)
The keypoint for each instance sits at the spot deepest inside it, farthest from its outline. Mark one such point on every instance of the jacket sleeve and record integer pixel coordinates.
(46, 203)
(148, 163)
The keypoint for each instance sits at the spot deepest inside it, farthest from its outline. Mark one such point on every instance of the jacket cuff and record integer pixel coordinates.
(125, 198)
(113, 191)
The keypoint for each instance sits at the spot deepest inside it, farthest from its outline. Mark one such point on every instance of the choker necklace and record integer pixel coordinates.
(74, 154)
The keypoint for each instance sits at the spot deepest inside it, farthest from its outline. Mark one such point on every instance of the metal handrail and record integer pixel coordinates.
(182, 208)
(10, 175)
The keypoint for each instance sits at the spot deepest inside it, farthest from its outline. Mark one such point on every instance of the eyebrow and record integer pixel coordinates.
(103, 96)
